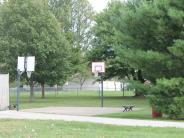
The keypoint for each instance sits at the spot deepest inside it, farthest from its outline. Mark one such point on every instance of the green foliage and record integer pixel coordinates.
(140, 88)
(168, 97)
(144, 35)
(29, 28)
(76, 17)
(83, 72)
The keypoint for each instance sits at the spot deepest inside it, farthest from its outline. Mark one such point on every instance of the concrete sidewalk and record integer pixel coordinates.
(99, 120)
(77, 111)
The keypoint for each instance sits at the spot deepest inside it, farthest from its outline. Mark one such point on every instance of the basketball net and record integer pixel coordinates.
(96, 74)
(29, 74)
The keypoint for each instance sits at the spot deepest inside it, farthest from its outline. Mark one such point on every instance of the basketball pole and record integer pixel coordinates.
(98, 68)
(102, 97)
(24, 64)
(18, 90)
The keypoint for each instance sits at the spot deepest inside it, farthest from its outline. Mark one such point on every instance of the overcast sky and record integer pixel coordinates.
(98, 5)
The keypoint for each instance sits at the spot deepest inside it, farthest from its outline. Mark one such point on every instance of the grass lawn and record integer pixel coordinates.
(89, 99)
(61, 129)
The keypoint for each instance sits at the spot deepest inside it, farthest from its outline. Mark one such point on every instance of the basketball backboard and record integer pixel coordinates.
(98, 67)
(30, 63)
(20, 64)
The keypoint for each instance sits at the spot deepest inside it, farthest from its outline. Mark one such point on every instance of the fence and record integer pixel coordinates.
(75, 87)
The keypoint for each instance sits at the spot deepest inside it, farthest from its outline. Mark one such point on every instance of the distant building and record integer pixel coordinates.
(92, 85)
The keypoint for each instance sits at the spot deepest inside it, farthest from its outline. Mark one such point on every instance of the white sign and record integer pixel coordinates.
(30, 63)
(20, 64)
(98, 67)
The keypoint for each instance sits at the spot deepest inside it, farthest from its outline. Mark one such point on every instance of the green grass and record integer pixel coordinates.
(82, 99)
(89, 99)
(144, 113)
(61, 129)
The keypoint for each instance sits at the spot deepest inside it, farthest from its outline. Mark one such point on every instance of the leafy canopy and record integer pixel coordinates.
(29, 28)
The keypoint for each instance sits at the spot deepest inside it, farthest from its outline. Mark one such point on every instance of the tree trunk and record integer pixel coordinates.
(31, 84)
(141, 79)
(43, 90)
(57, 89)
(82, 80)
(123, 89)
(140, 76)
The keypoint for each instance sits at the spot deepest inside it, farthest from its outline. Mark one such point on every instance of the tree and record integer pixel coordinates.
(149, 32)
(76, 17)
(143, 37)
(29, 28)
(106, 41)
(83, 73)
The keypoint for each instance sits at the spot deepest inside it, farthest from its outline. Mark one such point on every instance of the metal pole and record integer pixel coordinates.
(123, 89)
(102, 98)
(18, 90)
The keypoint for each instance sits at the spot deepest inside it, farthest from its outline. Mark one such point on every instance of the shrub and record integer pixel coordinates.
(168, 97)
(140, 88)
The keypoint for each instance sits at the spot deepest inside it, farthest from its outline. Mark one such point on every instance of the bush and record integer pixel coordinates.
(168, 97)
(140, 88)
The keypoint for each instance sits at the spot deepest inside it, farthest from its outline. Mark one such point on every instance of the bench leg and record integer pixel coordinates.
(130, 109)
(125, 109)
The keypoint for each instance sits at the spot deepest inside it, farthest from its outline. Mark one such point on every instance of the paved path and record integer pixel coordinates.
(81, 111)
(99, 120)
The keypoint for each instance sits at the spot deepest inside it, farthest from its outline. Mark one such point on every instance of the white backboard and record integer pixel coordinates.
(30, 63)
(20, 64)
(98, 67)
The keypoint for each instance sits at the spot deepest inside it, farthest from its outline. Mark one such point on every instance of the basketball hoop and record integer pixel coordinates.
(29, 74)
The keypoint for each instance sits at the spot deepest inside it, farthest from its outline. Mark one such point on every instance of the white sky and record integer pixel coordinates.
(98, 5)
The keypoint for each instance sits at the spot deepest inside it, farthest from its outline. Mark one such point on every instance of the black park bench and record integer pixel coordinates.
(128, 107)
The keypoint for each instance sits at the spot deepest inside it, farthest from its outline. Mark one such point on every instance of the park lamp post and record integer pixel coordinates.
(24, 64)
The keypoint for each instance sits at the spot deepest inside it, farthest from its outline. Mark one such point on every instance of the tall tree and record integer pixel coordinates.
(76, 16)
(146, 37)
(29, 28)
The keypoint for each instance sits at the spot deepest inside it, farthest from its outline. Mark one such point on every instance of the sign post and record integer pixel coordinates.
(24, 64)
(98, 68)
